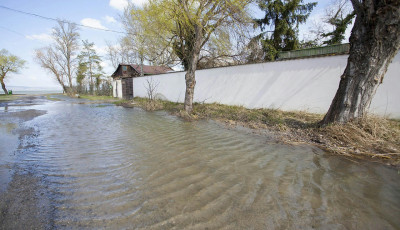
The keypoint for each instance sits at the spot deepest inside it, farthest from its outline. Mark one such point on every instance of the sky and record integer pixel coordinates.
(21, 34)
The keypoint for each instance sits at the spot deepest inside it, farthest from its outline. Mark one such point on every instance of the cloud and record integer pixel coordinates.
(100, 50)
(121, 4)
(139, 2)
(41, 37)
(110, 19)
(92, 23)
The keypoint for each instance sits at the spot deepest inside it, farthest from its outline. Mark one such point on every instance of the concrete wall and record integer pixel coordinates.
(304, 84)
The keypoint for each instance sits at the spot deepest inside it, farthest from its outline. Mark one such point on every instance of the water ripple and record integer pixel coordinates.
(112, 167)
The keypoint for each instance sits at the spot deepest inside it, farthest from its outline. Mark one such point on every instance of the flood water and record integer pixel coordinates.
(104, 166)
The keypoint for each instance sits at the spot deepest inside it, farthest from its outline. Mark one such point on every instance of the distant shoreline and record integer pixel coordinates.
(33, 92)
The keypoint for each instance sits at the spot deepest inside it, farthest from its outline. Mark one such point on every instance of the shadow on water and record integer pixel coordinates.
(112, 167)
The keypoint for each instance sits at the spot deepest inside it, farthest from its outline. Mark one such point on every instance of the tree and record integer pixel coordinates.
(151, 47)
(89, 65)
(374, 41)
(80, 77)
(284, 16)
(50, 60)
(60, 57)
(339, 16)
(186, 26)
(120, 53)
(8, 64)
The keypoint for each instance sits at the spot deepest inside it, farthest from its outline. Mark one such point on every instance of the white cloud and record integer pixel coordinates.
(92, 23)
(139, 2)
(121, 4)
(100, 50)
(41, 37)
(110, 19)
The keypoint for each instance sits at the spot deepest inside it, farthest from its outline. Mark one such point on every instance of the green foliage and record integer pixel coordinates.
(81, 73)
(340, 24)
(89, 66)
(9, 64)
(306, 44)
(284, 16)
(184, 27)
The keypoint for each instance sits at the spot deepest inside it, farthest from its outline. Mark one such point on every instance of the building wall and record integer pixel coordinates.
(304, 84)
(117, 88)
(114, 88)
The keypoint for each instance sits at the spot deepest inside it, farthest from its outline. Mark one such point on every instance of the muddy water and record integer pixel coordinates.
(111, 167)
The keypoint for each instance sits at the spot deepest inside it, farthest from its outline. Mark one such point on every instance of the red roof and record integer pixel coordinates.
(150, 70)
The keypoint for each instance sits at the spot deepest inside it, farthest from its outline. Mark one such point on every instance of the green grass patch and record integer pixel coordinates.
(270, 117)
(98, 98)
(4, 97)
(48, 97)
(101, 106)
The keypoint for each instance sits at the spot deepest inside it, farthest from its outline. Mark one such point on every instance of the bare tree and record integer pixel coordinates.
(50, 60)
(60, 57)
(151, 88)
(66, 39)
(122, 52)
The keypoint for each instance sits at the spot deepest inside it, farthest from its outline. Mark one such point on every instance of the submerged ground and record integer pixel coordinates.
(79, 164)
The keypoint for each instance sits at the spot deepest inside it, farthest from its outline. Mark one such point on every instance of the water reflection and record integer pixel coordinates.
(111, 167)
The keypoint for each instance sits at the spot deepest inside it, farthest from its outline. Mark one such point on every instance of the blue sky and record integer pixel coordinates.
(21, 34)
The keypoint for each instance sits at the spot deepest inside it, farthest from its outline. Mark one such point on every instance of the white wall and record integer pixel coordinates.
(304, 84)
(114, 86)
(117, 88)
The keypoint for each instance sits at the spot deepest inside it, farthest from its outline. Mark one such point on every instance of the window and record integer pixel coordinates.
(124, 68)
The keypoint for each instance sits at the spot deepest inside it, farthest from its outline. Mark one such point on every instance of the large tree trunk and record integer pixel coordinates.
(374, 41)
(190, 73)
(3, 86)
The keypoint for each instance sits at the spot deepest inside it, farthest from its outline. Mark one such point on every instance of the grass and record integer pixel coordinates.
(98, 98)
(373, 138)
(48, 97)
(4, 97)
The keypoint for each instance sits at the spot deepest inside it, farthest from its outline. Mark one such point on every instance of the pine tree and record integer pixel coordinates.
(284, 17)
(340, 20)
(89, 66)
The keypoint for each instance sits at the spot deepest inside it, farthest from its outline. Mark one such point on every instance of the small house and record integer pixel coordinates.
(124, 74)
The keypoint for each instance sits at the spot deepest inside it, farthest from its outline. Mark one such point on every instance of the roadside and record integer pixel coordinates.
(374, 138)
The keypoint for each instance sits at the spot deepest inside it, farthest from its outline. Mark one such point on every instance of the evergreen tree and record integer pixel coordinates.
(284, 17)
(81, 75)
(89, 66)
(340, 23)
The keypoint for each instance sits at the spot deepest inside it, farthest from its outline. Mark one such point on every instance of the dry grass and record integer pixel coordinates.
(373, 138)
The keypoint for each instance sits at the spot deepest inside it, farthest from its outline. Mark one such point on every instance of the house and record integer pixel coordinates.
(124, 74)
